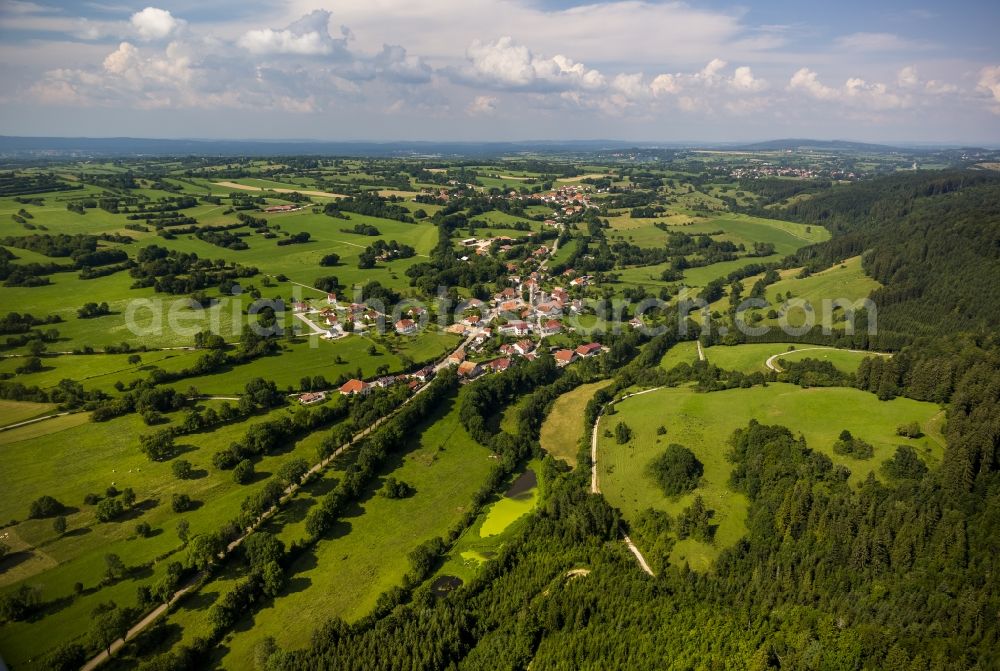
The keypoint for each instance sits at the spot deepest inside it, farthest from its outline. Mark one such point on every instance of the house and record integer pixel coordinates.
(469, 369)
(565, 356)
(385, 381)
(456, 357)
(458, 329)
(590, 349)
(355, 387)
(300, 306)
(312, 397)
(507, 294)
(551, 327)
(331, 299)
(424, 374)
(499, 365)
(635, 322)
(406, 327)
(515, 328)
(524, 346)
(472, 320)
(507, 350)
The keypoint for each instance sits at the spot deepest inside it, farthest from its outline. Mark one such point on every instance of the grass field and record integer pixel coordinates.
(13, 412)
(751, 358)
(682, 352)
(842, 281)
(66, 459)
(704, 423)
(367, 553)
(563, 427)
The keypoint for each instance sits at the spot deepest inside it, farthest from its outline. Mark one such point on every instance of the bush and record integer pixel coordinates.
(853, 447)
(225, 459)
(911, 430)
(143, 530)
(677, 470)
(623, 433)
(45, 506)
(182, 469)
(243, 473)
(396, 489)
(181, 503)
(109, 509)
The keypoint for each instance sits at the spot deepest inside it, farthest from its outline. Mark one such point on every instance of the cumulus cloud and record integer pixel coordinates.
(710, 78)
(153, 23)
(989, 83)
(482, 106)
(505, 64)
(398, 65)
(309, 36)
(855, 91)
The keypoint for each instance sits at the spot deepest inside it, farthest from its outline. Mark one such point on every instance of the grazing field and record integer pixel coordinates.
(843, 281)
(563, 427)
(366, 553)
(704, 422)
(752, 358)
(682, 352)
(70, 461)
(13, 412)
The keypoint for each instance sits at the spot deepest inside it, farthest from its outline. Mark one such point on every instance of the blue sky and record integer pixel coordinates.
(502, 70)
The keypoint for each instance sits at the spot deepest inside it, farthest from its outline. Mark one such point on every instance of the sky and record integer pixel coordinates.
(484, 70)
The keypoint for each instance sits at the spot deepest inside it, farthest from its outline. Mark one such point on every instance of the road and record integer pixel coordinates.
(701, 352)
(290, 491)
(595, 487)
(31, 421)
(770, 363)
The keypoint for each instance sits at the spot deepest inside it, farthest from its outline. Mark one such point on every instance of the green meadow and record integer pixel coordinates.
(704, 422)
(70, 459)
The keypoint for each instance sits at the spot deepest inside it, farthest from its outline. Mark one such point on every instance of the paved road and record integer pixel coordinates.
(701, 352)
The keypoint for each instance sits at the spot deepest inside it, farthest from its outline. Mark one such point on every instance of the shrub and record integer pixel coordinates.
(181, 503)
(243, 473)
(182, 469)
(45, 506)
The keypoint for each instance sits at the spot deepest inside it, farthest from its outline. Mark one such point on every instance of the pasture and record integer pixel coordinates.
(366, 553)
(704, 422)
(563, 427)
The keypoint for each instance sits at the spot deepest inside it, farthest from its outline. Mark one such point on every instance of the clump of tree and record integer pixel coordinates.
(850, 446)
(91, 310)
(911, 430)
(45, 506)
(623, 433)
(676, 471)
(330, 260)
(904, 464)
(396, 489)
(695, 521)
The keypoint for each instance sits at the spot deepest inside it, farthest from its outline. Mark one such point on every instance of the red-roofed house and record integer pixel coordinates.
(551, 327)
(565, 356)
(355, 388)
(590, 349)
(406, 327)
(499, 365)
(469, 369)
